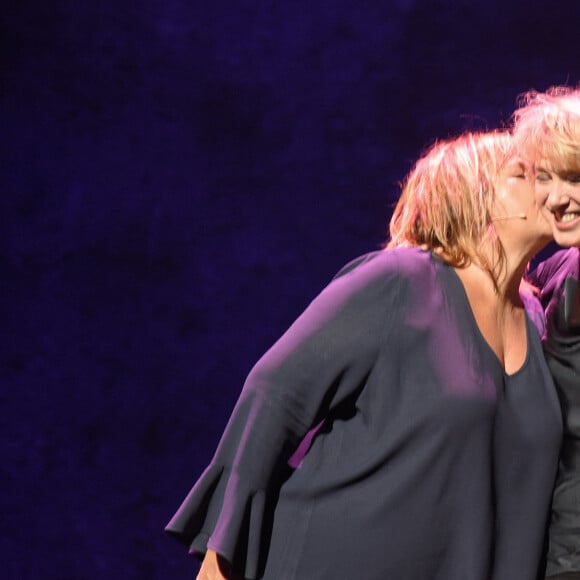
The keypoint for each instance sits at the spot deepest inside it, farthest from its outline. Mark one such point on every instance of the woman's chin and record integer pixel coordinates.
(568, 238)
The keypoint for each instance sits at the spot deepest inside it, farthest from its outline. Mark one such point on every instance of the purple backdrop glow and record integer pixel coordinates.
(178, 180)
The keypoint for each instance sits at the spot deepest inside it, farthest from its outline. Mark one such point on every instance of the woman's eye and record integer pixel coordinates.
(517, 170)
(542, 177)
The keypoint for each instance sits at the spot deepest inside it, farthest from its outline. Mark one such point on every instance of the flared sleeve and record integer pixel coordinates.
(322, 359)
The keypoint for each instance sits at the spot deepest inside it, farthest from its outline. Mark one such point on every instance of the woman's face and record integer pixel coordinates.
(516, 212)
(558, 194)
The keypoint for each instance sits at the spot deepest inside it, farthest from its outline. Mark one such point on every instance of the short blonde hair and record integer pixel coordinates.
(547, 128)
(446, 200)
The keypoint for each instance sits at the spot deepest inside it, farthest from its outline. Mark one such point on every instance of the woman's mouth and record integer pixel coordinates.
(566, 220)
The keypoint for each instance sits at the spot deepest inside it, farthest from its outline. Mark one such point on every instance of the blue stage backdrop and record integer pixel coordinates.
(179, 179)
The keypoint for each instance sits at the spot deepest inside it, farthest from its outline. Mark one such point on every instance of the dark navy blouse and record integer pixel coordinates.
(431, 463)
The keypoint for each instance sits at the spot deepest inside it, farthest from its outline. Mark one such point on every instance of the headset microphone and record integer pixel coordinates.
(519, 216)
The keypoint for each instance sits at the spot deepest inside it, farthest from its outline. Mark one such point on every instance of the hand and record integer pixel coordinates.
(214, 567)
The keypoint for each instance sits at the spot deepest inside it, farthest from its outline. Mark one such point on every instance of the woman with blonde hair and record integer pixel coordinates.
(405, 426)
(547, 130)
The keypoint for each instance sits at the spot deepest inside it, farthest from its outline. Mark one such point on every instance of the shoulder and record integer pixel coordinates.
(395, 279)
(551, 274)
(563, 263)
(403, 263)
(382, 286)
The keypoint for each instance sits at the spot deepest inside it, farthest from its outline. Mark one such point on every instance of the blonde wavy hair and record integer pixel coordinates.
(547, 128)
(446, 201)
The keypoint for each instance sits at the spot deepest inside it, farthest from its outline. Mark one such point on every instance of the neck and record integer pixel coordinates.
(517, 258)
(503, 290)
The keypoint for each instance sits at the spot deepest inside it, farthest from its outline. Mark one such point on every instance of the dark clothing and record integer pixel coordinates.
(431, 463)
(558, 279)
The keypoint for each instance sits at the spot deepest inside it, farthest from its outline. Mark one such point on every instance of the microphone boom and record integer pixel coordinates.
(520, 216)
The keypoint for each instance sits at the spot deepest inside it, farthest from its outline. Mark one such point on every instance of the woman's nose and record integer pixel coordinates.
(557, 196)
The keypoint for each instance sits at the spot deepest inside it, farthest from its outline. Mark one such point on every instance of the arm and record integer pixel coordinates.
(322, 359)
